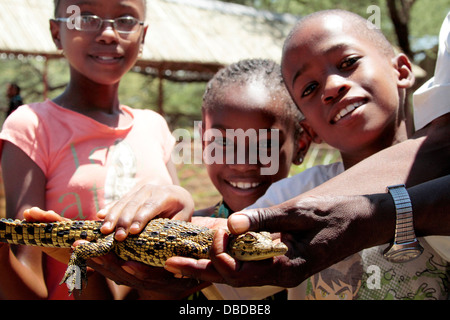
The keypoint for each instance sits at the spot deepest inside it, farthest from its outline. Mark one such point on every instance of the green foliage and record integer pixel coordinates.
(426, 15)
(181, 101)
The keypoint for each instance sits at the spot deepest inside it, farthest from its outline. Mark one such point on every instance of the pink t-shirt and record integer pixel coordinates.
(88, 164)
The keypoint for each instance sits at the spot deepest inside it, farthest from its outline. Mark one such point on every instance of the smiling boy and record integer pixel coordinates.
(351, 87)
(348, 82)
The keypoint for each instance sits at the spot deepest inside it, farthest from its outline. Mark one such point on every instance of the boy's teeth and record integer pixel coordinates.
(347, 110)
(244, 185)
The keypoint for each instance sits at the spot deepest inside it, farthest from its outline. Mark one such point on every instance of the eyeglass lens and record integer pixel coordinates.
(94, 23)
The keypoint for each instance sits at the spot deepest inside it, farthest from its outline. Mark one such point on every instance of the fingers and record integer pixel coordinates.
(121, 214)
(202, 269)
(237, 273)
(209, 222)
(132, 212)
(157, 282)
(269, 219)
(111, 267)
(175, 202)
(79, 243)
(205, 269)
(285, 217)
(240, 222)
(38, 215)
(222, 268)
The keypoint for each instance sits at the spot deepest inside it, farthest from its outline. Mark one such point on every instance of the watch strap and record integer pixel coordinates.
(404, 226)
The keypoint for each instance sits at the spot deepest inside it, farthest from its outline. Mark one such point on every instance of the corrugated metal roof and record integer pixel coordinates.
(183, 34)
(25, 26)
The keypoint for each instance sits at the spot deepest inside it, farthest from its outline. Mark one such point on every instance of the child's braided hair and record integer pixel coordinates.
(266, 71)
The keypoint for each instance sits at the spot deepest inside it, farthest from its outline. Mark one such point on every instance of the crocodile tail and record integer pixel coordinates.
(57, 234)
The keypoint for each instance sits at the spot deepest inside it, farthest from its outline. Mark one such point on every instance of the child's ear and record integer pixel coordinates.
(303, 143)
(54, 30)
(403, 66)
(310, 132)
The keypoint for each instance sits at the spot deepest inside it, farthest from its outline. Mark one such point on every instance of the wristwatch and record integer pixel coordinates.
(405, 247)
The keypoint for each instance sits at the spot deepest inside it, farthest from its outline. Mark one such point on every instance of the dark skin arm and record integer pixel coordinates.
(319, 232)
(341, 217)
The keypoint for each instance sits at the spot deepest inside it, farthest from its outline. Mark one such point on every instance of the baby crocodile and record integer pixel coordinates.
(160, 240)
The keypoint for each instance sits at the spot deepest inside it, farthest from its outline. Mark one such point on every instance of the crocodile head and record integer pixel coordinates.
(252, 246)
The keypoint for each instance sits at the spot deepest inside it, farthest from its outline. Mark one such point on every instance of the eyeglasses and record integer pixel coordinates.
(92, 23)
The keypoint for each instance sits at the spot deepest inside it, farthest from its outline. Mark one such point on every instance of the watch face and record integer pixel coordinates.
(403, 252)
(403, 255)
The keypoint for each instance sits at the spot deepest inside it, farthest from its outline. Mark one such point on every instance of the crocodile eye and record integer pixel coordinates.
(248, 238)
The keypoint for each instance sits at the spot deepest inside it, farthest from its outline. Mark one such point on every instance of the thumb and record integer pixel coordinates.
(273, 219)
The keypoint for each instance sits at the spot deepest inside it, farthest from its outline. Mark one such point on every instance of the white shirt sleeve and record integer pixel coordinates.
(432, 99)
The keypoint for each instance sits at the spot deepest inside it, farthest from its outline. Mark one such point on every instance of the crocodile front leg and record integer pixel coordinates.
(76, 274)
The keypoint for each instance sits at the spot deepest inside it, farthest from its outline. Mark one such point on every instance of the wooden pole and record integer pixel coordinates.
(45, 78)
(161, 92)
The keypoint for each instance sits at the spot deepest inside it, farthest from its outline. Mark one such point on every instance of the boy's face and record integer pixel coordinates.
(102, 56)
(250, 109)
(344, 85)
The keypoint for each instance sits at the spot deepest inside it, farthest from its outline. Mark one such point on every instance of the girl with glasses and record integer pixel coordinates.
(83, 149)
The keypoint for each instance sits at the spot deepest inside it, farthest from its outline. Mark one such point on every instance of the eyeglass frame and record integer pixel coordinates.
(112, 21)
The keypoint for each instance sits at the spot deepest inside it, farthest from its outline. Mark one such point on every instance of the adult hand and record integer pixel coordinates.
(152, 282)
(319, 231)
(132, 212)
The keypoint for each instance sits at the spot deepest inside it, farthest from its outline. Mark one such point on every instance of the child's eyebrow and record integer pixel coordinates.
(299, 72)
(335, 47)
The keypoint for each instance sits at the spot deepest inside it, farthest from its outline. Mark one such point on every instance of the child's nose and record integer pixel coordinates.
(107, 32)
(243, 159)
(244, 167)
(335, 86)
